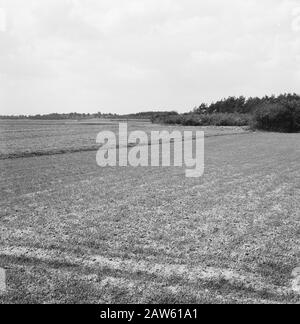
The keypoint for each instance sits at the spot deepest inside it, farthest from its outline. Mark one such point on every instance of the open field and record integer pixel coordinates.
(23, 138)
(73, 232)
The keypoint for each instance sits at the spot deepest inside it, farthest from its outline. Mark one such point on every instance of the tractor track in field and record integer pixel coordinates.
(131, 274)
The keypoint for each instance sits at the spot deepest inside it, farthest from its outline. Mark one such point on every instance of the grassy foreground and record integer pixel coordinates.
(75, 233)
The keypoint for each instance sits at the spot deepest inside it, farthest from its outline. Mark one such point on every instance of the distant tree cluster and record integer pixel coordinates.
(77, 116)
(242, 105)
(152, 115)
(56, 116)
(53, 116)
(274, 113)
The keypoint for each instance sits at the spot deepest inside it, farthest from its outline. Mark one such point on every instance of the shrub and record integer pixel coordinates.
(208, 120)
(230, 119)
(279, 118)
(171, 119)
(297, 119)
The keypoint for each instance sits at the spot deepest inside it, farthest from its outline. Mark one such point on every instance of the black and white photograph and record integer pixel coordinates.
(149, 155)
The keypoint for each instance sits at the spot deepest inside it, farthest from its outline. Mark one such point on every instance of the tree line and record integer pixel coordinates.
(242, 105)
(81, 116)
(272, 113)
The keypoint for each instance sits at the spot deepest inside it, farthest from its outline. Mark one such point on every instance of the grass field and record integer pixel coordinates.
(27, 138)
(72, 232)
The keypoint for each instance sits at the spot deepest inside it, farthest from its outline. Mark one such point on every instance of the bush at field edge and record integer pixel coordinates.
(218, 119)
(278, 118)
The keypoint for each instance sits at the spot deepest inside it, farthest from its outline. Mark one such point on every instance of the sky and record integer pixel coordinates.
(126, 56)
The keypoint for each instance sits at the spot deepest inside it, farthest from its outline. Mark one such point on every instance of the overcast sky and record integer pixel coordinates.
(136, 55)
